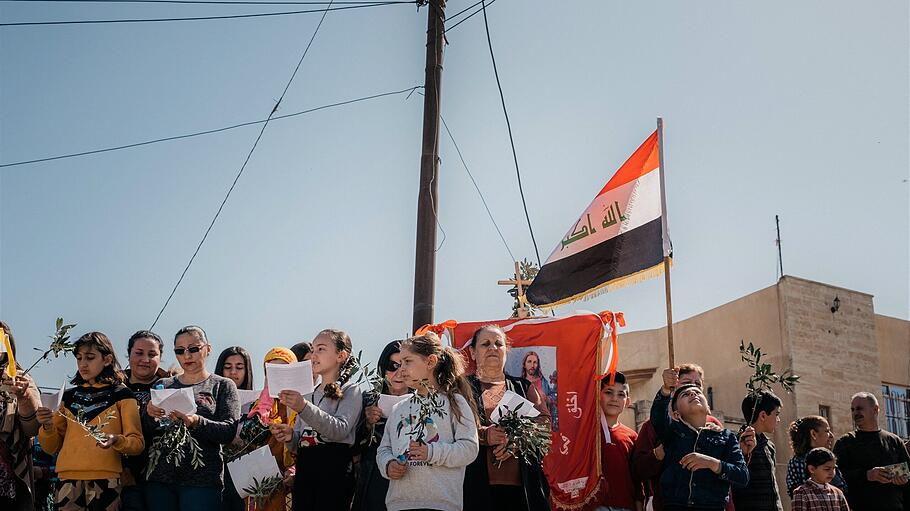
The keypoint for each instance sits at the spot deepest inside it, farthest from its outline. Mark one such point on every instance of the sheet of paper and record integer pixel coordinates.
(52, 400)
(512, 400)
(179, 400)
(258, 465)
(387, 402)
(248, 396)
(298, 376)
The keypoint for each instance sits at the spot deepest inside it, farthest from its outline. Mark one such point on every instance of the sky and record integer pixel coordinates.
(797, 109)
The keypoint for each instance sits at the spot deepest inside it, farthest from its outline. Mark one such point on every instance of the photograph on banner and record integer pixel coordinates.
(537, 364)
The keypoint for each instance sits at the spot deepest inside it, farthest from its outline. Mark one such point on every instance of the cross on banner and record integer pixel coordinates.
(520, 284)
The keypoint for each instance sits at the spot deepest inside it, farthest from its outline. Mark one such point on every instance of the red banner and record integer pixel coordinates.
(559, 356)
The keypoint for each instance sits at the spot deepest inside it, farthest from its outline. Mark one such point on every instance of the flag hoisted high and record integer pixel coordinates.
(621, 238)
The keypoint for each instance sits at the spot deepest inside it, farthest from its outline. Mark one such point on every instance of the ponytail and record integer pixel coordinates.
(449, 371)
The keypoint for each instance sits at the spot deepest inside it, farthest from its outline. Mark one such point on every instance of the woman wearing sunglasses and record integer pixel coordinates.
(371, 486)
(181, 487)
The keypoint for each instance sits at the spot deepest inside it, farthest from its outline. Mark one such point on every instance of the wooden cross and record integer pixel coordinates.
(520, 283)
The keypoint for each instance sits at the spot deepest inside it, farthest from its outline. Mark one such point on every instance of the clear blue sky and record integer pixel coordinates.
(790, 108)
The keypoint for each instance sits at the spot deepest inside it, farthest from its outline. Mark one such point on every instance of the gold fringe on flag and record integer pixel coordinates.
(621, 282)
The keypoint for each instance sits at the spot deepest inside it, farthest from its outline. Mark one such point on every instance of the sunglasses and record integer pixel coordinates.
(392, 367)
(192, 349)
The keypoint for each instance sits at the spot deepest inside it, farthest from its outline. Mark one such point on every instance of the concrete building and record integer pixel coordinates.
(828, 335)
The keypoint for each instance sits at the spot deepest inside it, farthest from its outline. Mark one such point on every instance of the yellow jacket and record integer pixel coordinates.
(80, 456)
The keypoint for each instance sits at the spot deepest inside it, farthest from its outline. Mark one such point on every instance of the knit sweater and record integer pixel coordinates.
(452, 444)
(80, 458)
(761, 494)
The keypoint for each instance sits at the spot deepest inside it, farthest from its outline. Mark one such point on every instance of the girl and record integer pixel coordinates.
(264, 412)
(181, 487)
(496, 479)
(429, 473)
(19, 399)
(89, 469)
(325, 427)
(144, 349)
(806, 434)
(234, 364)
(371, 486)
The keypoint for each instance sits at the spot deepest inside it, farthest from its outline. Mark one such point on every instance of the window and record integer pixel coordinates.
(897, 410)
(825, 411)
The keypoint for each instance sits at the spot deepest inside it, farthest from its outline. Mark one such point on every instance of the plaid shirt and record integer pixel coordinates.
(812, 496)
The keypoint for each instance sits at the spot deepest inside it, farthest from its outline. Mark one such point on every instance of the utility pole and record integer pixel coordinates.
(428, 194)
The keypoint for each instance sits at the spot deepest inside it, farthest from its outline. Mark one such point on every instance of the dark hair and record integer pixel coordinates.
(800, 432)
(449, 371)
(524, 371)
(385, 362)
(690, 368)
(767, 402)
(111, 374)
(342, 342)
(301, 350)
(237, 350)
(193, 330)
(12, 341)
(490, 328)
(679, 390)
(819, 456)
(144, 334)
(619, 378)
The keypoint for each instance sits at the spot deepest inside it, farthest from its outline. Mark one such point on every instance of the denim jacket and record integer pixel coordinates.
(701, 488)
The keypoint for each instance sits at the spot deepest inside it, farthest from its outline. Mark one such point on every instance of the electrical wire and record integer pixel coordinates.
(210, 2)
(242, 167)
(469, 16)
(505, 112)
(196, 18)
(208, 132)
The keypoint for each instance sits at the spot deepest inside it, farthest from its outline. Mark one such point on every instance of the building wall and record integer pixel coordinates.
(893, 337)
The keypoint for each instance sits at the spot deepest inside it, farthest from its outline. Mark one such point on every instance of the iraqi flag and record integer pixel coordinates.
(621, 238)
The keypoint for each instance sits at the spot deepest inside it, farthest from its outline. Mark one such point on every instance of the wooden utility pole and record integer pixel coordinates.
(427, 198)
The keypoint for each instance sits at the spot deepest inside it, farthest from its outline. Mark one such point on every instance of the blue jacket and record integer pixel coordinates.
(703, 488)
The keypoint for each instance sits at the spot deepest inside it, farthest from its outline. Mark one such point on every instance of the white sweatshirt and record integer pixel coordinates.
(452, 445)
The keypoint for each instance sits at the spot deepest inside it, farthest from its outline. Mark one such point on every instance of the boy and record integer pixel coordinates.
(818, 492)
(620, 492)
(701, 459)
(762, 413)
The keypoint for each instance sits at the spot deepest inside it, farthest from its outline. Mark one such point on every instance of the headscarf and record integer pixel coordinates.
(266, 407)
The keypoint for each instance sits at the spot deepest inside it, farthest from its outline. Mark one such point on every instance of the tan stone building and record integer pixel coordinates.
(828, 335)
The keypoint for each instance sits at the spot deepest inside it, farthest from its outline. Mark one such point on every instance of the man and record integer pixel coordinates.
(864, 456)
(648, 453)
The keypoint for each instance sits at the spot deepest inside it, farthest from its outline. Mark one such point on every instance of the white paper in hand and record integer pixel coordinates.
(258, 465)
(247, 396)
(52, 400)
(297, 376)
(175, 400)
(387, 402)
(512, 400)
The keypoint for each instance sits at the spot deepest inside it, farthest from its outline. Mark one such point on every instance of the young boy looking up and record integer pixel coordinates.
(762, 413)
(620, 491)
(701, 459)
(818, 492)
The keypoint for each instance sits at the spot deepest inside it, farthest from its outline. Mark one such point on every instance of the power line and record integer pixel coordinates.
(476, 187)
(505, 112)
(208, 132)
(242, 167)
(198, 18)
(469, 16)
(209, 2)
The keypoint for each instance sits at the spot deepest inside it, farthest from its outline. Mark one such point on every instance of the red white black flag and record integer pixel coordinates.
(621, 238)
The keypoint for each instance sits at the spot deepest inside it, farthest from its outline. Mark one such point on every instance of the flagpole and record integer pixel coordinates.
(666, 240)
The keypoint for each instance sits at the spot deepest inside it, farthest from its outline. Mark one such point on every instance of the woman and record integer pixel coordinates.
(181, 487)
(496, 480)
(234, 364)
(806, 434)
(144, 349)
(19, 400)
(371, 486)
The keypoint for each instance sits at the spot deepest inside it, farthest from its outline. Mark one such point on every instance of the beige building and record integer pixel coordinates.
(828, 335)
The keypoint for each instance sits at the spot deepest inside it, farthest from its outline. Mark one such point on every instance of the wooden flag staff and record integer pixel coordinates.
(666, 240)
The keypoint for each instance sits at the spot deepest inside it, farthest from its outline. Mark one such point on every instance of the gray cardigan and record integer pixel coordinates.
(327, 420)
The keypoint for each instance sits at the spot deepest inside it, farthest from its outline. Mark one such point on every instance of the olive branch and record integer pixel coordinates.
(763, 376)
(262, 490)
(176, 440)
(528, 440)
(59, 343)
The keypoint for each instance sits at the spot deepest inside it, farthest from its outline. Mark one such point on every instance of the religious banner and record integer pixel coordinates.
(621, 238)
(559, 356)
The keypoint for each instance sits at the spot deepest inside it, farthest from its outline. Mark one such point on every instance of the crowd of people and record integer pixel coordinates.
(338, 450)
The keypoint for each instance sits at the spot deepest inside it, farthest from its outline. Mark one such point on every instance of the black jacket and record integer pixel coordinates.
(477, 478)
